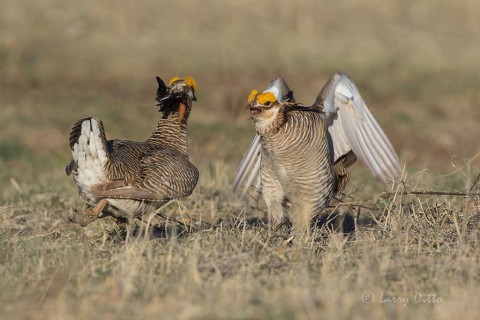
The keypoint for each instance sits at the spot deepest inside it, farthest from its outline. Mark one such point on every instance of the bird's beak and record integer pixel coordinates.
(194, 98)
(255, 110)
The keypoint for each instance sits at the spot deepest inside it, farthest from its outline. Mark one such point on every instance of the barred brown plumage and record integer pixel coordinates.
(300, 155)
(127, 179)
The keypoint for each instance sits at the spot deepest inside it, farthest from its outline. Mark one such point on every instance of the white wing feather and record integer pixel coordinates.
(353, 127)
(249, 169)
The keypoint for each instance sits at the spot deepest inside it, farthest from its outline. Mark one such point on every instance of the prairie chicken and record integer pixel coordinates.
(299, 157)
(127, 179)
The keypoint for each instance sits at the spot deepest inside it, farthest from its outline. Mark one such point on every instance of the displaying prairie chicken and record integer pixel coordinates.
(299, 157)
(127, 179)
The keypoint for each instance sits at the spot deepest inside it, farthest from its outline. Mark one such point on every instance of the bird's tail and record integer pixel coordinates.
(89, 150)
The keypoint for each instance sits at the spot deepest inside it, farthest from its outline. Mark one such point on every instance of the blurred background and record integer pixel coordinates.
(416, 64)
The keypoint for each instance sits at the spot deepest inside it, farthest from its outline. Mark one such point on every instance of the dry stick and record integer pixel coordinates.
(188, 227)
(430, 193)
(211, 225)
(358, 204)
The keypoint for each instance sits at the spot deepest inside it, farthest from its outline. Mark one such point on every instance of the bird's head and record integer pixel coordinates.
(263, 106)
(177, 97)
(267, 108)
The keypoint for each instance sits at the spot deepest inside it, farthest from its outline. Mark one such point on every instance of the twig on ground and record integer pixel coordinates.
(430, 193)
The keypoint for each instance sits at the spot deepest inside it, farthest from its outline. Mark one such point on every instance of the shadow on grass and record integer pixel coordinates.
(327, 223)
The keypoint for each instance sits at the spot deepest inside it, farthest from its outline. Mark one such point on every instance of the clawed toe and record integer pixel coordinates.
(84, 218)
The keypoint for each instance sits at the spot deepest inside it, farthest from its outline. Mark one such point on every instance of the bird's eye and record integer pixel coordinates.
(267, 103)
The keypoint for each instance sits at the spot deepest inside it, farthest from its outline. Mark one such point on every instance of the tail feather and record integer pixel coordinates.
(76, 132)
(88, 135)
(89, 151)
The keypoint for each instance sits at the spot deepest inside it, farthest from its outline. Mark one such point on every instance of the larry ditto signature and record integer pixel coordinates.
(418, 297)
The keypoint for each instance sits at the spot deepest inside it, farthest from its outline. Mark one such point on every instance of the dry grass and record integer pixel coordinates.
(416, 64)
(403, 248)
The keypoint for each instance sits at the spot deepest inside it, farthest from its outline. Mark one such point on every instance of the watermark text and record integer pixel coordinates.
(415, 297)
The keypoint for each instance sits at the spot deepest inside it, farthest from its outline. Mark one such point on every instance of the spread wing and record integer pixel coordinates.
(249, 169)
(352, 127)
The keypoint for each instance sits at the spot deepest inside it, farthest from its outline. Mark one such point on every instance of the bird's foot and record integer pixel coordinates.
(85, 217)
(89, 215)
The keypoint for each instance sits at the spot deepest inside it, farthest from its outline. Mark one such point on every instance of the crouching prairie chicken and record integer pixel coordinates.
(299, 157)
(127, 179)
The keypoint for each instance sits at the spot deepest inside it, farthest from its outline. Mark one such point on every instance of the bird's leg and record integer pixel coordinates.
(276, 213)
(284, 221)
(301, 217)
(89, 215)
